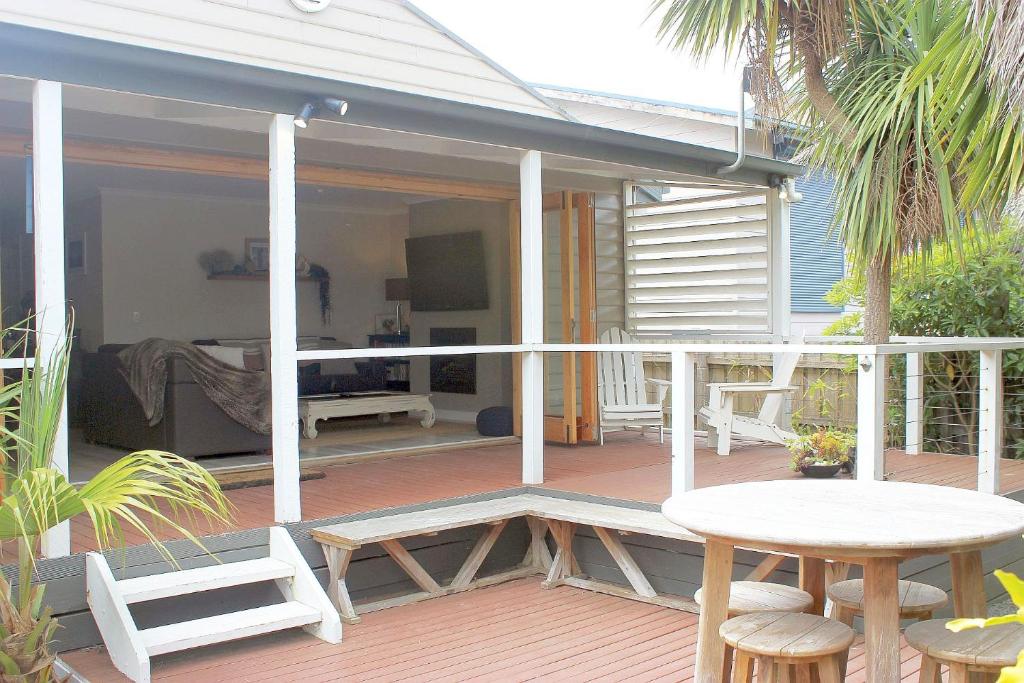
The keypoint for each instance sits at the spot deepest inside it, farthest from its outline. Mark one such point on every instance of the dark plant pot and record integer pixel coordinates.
(850, 466)
(820, 471)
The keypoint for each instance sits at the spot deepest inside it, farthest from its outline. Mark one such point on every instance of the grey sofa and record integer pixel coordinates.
(193, 425)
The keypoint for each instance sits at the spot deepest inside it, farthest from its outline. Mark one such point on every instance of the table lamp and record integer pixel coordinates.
(397, 289)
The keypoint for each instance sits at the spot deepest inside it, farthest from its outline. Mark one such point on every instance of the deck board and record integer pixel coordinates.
(629, 466)
(515, 631)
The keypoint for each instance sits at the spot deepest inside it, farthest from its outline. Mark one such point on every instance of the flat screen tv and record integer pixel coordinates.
(447, 272)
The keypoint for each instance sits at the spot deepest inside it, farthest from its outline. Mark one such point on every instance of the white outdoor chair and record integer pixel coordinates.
(722, 423)
(622, 389)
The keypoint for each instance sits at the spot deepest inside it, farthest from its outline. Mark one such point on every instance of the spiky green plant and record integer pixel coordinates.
(142, 490)
(25, 633)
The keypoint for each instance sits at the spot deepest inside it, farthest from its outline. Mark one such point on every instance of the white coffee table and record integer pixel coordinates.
(379, 403)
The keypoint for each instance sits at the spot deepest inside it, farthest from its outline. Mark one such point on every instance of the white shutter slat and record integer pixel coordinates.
(698, 263)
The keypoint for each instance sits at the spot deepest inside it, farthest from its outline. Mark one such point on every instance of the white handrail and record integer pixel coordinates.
(871, 386)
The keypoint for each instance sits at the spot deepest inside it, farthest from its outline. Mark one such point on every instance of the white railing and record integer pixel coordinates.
(871, 388)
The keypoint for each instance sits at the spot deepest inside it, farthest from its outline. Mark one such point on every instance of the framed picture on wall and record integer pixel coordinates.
(257, 252)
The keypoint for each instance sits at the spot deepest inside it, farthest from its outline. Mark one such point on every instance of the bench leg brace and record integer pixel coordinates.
(477, 556)
(626, 563)
(411, 567)
(537, 554)
(337, 564)
(564, 563)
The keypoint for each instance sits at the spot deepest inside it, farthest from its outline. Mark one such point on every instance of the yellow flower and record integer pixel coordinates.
(1013, 674)
(1015, 587)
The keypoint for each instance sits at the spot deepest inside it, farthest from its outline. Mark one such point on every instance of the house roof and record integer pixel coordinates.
(642, 103)
(39, 53)
(384, 43)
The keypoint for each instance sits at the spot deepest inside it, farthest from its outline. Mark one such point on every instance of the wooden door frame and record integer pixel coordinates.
(572, 427)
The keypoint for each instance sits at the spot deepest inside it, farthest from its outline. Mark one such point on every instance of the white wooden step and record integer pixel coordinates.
(187, 581)
(231, 626)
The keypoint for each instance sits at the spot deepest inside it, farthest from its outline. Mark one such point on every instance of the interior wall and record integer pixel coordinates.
(493, 326)
(153, 286)
(84, 286)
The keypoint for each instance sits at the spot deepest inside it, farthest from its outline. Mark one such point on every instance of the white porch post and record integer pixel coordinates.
(779, 283)
(532, 314)
(683, 369)
(283, 326)
(48, 226)
(915, 404)
(990, 420)
(870, 417)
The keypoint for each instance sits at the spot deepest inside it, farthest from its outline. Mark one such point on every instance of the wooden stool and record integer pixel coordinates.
(780, 640)
(984, 650)
(750, 597)
(917, 600)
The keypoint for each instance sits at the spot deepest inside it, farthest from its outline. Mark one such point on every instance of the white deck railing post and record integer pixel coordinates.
(915, 404)
(990, 420)
(283, 325)
(870, 417)
(532, 314)
(779, 268)
(683, 369)
(48, 227)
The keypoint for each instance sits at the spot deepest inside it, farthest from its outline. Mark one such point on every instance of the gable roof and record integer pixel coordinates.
(387, 44)
(659, 118)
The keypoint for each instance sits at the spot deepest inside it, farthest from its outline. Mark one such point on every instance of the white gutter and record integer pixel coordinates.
(741, 126)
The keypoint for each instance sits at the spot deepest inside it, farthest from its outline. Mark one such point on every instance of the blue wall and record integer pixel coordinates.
(816, 257)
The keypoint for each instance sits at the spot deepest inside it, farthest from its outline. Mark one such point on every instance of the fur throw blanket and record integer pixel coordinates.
(243, 394)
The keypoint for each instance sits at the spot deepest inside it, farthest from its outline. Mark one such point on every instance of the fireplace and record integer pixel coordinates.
(453, 374)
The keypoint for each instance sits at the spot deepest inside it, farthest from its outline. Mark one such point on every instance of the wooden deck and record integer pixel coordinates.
(515, 631)
(628, 466)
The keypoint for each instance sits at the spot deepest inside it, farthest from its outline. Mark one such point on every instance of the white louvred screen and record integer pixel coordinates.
(697, 261)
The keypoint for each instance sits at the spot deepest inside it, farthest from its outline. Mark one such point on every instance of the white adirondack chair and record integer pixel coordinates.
(622, 389)
(722, 423)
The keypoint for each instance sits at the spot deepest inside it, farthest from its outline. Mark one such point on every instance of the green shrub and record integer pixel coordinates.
(979, 293)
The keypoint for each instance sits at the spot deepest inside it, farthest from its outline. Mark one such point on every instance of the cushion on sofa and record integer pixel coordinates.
(230, 355)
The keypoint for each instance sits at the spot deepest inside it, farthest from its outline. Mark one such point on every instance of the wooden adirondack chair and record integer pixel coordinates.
(622, 389)
(722, 423)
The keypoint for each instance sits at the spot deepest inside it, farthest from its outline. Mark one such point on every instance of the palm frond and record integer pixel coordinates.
(1001, 22)
(141, 490)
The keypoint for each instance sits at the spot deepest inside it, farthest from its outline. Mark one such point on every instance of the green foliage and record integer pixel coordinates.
(826, 446)
(140, 490)
(977, 293)
(25, 633)
(895, 101)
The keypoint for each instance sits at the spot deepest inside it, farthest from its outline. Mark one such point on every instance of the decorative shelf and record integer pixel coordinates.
(264, 277)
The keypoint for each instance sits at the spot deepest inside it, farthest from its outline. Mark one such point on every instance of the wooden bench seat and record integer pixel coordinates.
(544, 514)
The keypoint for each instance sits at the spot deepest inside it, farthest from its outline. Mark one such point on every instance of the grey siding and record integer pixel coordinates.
(816, 257)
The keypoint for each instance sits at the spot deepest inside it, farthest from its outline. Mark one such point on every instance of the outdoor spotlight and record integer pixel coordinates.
(302, 120)
(339, 107)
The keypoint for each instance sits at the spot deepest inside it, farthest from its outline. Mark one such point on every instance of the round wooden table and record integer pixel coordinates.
(874, 524)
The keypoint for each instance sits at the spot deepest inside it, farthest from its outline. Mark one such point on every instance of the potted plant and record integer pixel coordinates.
(821, 454)
(143, 488)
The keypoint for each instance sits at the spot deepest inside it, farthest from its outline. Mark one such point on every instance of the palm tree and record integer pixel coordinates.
(1002, 24)
(142, 489)
(895, 105)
